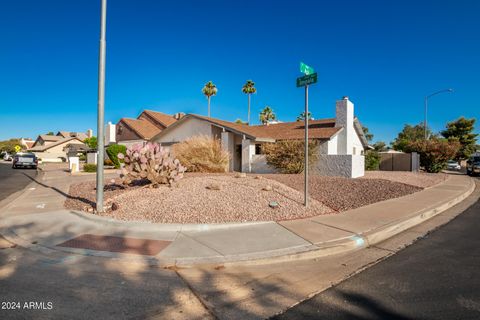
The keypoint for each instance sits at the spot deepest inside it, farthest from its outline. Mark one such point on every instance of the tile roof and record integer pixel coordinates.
(59, 142)
(317, 129)
(164, 119)
(143, 128)
(47, 137)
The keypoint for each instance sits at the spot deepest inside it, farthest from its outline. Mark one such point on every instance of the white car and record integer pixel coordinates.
(7, 157)
(453, 165)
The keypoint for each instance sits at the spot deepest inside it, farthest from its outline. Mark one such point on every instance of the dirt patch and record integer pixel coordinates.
(418, 179)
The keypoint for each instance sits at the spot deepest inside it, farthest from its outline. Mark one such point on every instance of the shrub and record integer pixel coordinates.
(372, 160)
(434, 153)
(113, 150)
(82, 157)
(89, 167)
(288, 156)
(108, 162)
(151, 162)
(202, 154)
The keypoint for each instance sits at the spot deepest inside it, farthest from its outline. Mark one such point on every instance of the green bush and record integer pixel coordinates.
(372, 160)
(434, 153)
(288, 156)
(113, 150)
(89, 167)
(82, 157)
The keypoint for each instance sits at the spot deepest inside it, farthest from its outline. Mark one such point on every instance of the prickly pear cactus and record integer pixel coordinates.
(151, 162)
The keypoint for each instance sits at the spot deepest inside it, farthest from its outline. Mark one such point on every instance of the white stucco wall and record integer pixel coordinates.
(128, 143)
(51, 157)
(191, 127)
(343, 165)
(228, 143)
(357, 145)
(259, 164)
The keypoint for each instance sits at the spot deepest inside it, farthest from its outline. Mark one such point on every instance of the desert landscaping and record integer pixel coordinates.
(229, 197)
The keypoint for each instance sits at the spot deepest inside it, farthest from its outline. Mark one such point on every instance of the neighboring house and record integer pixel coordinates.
(342, 142)
(26, 143)
(148, 124)
(50, 150)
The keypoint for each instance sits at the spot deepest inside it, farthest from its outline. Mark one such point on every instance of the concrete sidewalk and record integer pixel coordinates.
(37, 220)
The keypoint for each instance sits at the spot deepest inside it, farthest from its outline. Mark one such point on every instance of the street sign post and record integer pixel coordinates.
(306, 69)
(309, 78)
(306, 80)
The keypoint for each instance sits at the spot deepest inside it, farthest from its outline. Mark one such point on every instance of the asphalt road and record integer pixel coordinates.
(13, 180)
(438, 277)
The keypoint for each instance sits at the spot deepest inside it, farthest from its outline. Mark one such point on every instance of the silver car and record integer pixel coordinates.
(453, 165)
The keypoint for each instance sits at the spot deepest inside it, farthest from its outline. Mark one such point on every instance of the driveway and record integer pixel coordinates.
(13, 180)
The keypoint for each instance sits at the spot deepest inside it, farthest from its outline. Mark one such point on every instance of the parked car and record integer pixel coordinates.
(453, 165)
(25, 160)
(473, 164)
(7, 157)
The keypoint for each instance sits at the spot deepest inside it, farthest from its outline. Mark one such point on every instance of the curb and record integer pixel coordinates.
(302, 252)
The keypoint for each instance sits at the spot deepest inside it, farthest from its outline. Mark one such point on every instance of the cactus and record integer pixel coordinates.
(151, 162)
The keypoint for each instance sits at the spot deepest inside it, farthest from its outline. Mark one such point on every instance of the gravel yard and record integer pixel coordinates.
(196, 200)
(343, 194)
(220, 198)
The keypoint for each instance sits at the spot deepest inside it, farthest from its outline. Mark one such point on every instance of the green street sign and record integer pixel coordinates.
(307, 70)
(306, 80)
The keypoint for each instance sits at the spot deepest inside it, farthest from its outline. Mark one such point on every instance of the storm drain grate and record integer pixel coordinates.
(147, 247)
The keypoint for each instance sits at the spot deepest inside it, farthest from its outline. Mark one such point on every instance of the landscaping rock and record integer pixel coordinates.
(267, 188)
(213, 186)
(273, 204)
(115, 206)
(258, 177)
(241, 175)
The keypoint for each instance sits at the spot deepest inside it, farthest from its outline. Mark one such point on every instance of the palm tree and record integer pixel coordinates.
(267, 115)
(301, 117)
(209, 90)
(249, 88)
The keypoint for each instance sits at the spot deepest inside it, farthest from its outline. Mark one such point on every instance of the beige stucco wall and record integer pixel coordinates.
(191, 127)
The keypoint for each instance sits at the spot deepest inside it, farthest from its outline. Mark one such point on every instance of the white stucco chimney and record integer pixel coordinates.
(110, 132)
(344, 118)
(89, 133)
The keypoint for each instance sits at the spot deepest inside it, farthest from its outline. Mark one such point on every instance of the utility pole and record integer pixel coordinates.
(101, 107)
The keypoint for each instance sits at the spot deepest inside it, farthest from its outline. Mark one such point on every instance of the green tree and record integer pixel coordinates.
(379, 146)
(372, 157)
(301, 116)
(409, 134)
(50, 133)
(461, 130)
(249, 88)
(434, 152)
(368, 135)
(9, 145)
(240, 121)
(267, 115)
(209, 90)
(91, 142)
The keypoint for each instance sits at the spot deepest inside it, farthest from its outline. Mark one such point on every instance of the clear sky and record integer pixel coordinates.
(385, 55)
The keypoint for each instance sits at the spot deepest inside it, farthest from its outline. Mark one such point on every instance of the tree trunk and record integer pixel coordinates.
(248, 118)
(209, 107)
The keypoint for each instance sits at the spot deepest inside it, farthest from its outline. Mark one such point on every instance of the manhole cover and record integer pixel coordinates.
(147, 247)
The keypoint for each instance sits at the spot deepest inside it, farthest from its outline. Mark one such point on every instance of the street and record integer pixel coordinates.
(435, 278)
(13, 180)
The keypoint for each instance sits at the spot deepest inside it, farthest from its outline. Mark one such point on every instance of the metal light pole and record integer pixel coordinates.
(305, 202)
(426, 107)
(100, 105)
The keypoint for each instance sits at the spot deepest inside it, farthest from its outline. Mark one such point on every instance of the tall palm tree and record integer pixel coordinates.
(249, 88)
(301, 117)
(209, 90)
(267, 115)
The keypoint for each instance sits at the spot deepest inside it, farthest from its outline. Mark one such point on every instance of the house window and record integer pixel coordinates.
(120, 130)
(354, 150)
(258, 149)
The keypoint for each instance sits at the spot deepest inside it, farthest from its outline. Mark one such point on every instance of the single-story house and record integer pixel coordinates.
(148, 124)
(341, 149)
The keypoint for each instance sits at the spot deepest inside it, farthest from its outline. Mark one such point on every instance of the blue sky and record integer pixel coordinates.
(385, 55)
